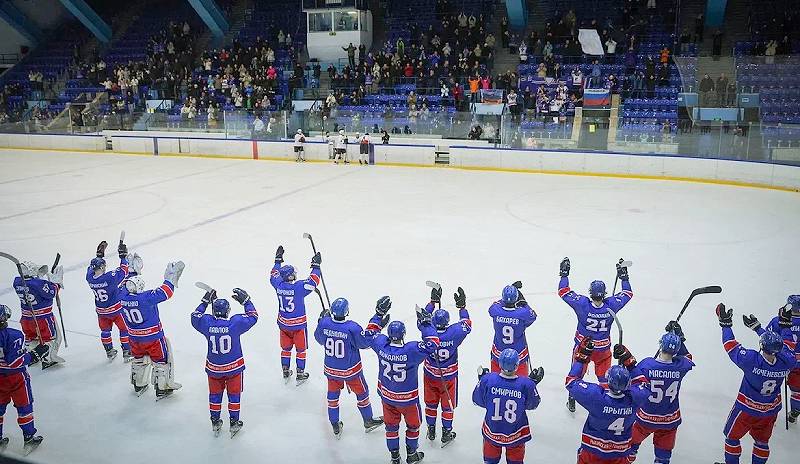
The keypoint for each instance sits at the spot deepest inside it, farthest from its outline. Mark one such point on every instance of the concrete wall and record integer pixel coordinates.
(610, 164)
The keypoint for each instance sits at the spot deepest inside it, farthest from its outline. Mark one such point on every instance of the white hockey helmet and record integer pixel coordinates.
(31, 269)
(135, 284)
(341, 131)
(299, 131)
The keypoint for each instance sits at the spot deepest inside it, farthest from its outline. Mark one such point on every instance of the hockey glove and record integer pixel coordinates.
(624, 356)
(725, 316)
(517, 284)
(173, 272)
(521, 301)
(481, 372)
(383, 305)
(794, 302)
(622, 272)
(101, 249)
(325, 313)
(279, 254)
(241, 296)
(461, 298)
(751, 322)
(122, 251)
(436, 295)
(675, 328)
(785, 317)
(57, 277)
(209, 297)
(40, 352)
(564, 268)
(316, 261)
(537, 375)
(423, 317)
(585, 350)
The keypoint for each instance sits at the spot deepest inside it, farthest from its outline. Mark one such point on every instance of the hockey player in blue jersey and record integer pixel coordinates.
(511, 315)
(606, 437)
(398, 385)
(36, 289)
(660, 415)
(507, 397)
(793, 381)
(594, 317)
(440, 378)
(15, 383)
(292, 320)
(149, 345)
(343, 341)
(759, 400)
(224, 360)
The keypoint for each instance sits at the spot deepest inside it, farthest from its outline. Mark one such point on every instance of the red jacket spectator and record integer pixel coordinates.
(486, 83)
(458, 92)
(408, 71)
(272, 73)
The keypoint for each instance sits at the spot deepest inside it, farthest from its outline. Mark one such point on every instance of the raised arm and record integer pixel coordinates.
(244, 322)
(274, 275)
(479, 392)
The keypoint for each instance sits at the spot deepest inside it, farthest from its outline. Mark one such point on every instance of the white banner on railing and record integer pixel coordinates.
(590, 42)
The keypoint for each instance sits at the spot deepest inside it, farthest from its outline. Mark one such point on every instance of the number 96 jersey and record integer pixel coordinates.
(224, 356)
(106, 289)
(506, 401)
(509, 329)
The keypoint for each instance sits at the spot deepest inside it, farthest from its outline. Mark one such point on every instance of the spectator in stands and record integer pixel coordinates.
(664, 55)
(577, 77)
(771, 50)
(504, 34)
(513, 106)
(611, 49)
(706, 88)
(541, 71)
(721, 87)
(523, 53)
(351, 54)
(475, 132)
(731, 93)
(716, 44)
(281, 37)
(474, 84)
(699, 27)
(685, 39)
(595, 75)
(651, 86)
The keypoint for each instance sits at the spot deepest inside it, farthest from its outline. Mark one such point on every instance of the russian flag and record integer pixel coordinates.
(596, 97)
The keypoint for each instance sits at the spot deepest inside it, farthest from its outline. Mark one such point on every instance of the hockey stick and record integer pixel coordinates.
(27, 292)
(618, 324)
(622, 263)
(122, 237)
(695, 292)
(321, 277)
(203, 286)
(788, 403)
(58, 302)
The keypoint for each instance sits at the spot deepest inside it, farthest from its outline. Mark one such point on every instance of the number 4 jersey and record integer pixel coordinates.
(224, 356)
(662, 409)
(506, 401)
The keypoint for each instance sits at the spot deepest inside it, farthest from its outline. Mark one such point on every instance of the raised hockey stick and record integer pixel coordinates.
(322, 278)
(788, 403)
(618, 324)
(58, 302)
(203, 286)
(695, 292)
(27, 292)
(122, 237)
(622, 263)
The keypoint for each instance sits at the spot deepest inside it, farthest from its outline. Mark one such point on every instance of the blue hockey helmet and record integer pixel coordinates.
(220, 308)
(340, 308)
(509, 360)
(771, 342)
(287, 273)
(597, 290)
(5, 313)
(794, 302)
(510, 296)
(440, 319)
(396, 331)
(97, 263)
(670, 343)
(619, 379)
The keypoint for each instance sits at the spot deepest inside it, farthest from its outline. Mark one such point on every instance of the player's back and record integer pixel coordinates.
(398, 379)
(106, 289)
(224, 356)
(40, 295)
(760, 390)
(662, 408)
(291, 298)
(141, 312)
(509, 328)
(342, 341)
(506, 400)
(12, 344)
(444, 361)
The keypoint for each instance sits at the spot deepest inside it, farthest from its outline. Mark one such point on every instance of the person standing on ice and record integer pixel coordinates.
(147, 339)
(15, 383)
(36, 292)
(595, 318)
(511, 315)
(292, 321)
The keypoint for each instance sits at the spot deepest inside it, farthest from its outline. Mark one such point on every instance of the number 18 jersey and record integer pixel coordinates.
(506, 401)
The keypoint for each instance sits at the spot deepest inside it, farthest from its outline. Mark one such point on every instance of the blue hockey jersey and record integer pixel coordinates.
(224, 357)
(291, 298)
(506, 401)
(608, 429)
(343, 342)
(760, 390)
(662, 409)
(794, 343)
(13, 356)
(398, 379)
(444, 362)
(509, 329)
(106, 288)
(40, 295)
(594, 322)
(140, 311)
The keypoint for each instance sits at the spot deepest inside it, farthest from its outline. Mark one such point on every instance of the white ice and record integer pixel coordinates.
(381, 230)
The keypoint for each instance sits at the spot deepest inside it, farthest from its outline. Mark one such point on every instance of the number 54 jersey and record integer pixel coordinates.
(224, 356)
(662, 409)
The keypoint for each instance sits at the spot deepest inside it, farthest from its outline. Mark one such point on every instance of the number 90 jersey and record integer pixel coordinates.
(224, 356)
(342, 341)
(106, 288)
(594, 322)
(506, 400)
(509, 329)
(291, 298)
(662, 409)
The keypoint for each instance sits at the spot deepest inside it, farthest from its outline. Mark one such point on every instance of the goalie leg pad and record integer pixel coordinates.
(140, 371)
(164, 370)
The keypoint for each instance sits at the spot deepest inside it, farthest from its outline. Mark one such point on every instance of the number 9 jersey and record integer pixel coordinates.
(509, 332)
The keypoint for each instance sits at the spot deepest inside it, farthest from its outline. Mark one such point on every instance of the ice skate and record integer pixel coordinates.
(302, 377)
(216, 426)
(571, 404)
(337, 429)
(793, 416)
(167, 392)
(395, 457)
(140, 390)
(415, 456)
(3, 444)
(111, 354)
(31, 443)
(48, 364)
(372, 424)
(127, 356)
(447, 436)
(287, 374)
(236, 426)
(431, 432)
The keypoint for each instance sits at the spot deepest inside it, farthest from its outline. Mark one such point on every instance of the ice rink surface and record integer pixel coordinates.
(382, 231)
